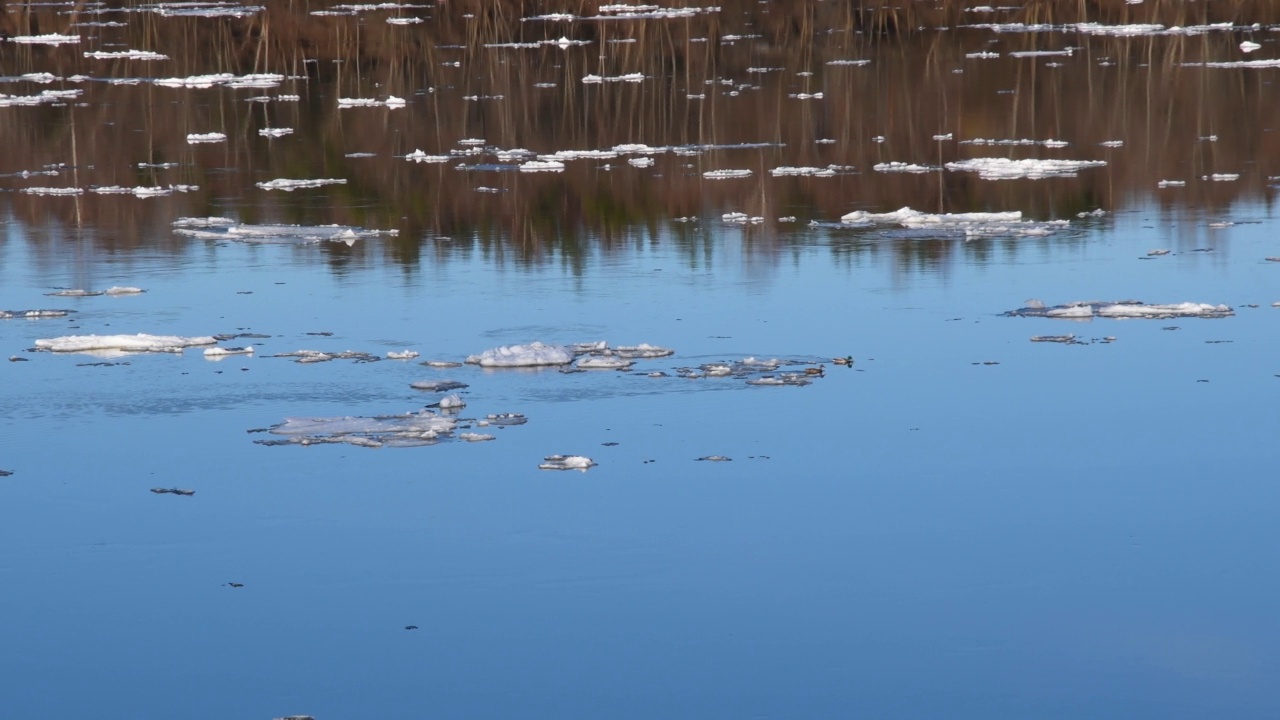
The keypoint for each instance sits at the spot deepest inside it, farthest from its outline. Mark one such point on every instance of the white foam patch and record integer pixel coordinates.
(531, 355)
(1007, 169)
(126, 343)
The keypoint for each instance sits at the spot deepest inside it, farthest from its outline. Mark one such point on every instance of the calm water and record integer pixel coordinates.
(962, 524)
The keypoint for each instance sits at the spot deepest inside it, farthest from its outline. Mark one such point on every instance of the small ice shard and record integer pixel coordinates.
(392, 103)
(475, 437)
(449, 402)
(567, 462)
(604, 362)
(531, 355)
(220, 352)
(290, 185)
(806, 96)
(715, 458)
(114, 290)
(52, 191)
(211, 137)
(275, 132)
(640, 162)
(127, 343)
(404, 355)
(74, 292)
(1171, 183)
(595, 346)
(1248, 46)
(1222, 177)
(726, 174)
(441, 363)
(1064, 339)
(1156, 253)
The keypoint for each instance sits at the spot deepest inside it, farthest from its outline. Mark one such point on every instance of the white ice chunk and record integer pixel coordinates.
(129, 343)
(116, 290)
(419, 156)
(726, 174)
(211, 137)
(475, 437)
(785, 171)
(145, 55)
(452, 401)
(405, 355)
(218, 228)
(275, 132)
(50, 39)
(542, 166)
(643, 350)
(531, 355)
(901, 167)
(640, 162)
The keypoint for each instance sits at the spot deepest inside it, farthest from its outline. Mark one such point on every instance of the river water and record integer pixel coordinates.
(962, 522)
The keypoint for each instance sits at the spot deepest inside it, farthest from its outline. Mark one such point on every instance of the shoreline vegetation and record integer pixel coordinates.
(718, 78)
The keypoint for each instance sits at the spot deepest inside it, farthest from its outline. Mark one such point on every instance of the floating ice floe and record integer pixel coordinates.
(1248, 46)
(1042, 53)
(143, 191)
(786, 171)
(291, 185)
(502, 420)
(901, 167)
(392, 103)
(714, 458)
(1063, 339)
(212, 137)
(642, 351)
(531, 355)
(408, 430)
(598, 79)
(205, 9)
(219, 228)
(640, 162)
(50, 39)
(542, 166)
(1121, 310)
(1222, 177)
(438, 385)
(46, 97)
(563, 155)
(419, 156)
(475, 437)
(1118, 30)
(1171, 183)
(52, 191)
(1007, 169)
(260, 80)
(1244, 64)
(726, 174)
(848, 63)
(33, 314)
(309, 357)
(741, 218)
(806, 96)
(402, 355)
(567, 462)
(969, 225)
(604, 362)
(221, 352)
(122, 343)
(145, 55)
(404, 21)
(275, 132)
(982, 55)
(1046, 143)
(452, 402)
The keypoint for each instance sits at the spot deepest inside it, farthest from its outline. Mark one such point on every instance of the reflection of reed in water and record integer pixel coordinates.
(1131, 89)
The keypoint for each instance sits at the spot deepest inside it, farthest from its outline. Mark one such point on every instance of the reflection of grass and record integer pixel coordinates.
(907, 94)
